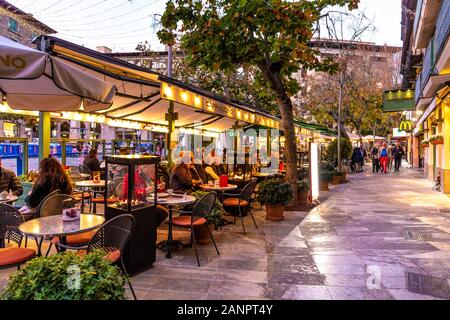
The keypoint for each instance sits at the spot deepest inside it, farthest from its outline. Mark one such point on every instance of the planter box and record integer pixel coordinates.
(425, 145)
(323, 185)
(274, 212)
(336, 180)
(437, 142)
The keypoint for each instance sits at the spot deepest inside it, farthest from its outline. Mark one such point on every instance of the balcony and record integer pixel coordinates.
(429, 79)
(427, 12)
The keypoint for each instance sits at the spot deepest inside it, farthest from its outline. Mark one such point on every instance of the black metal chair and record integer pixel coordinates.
(242, 202)
(198, 219)
(111, 238)
(10, 220)
(84, 169)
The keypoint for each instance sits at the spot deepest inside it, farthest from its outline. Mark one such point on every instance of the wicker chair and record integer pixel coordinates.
(111, 238)
(10, 220)
(198, 218)
(242, 202)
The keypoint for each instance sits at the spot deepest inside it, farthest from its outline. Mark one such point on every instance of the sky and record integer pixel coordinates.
(121, 24)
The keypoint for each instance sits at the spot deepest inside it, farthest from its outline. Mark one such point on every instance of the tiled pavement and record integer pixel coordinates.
(361, 225)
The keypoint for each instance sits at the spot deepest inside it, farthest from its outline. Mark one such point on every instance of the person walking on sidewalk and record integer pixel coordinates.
(397, 154)
(375, 159)
(383, 155)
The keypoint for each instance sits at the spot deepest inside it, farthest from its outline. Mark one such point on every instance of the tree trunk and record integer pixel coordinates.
(344, 134)
(287, 120)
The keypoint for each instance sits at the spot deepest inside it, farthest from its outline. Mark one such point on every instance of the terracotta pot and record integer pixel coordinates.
(302, 197)
(336, 180)
(343, 178)
(323, 185)
(437, 142)
(274, 212)
(202, 235)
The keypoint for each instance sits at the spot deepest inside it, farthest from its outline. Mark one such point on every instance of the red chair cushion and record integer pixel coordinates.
(185, 221)
(234, 202)
(112, 256)
(77, 239)
(12, 256)
(101, 200)
(79, 196)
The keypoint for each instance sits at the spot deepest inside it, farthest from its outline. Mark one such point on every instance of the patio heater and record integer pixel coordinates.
(131, 189)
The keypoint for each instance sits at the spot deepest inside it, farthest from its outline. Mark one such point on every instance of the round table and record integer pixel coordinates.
(87, 184)
(54, 226)
(229, 187)
(9, 199)
(172, 201)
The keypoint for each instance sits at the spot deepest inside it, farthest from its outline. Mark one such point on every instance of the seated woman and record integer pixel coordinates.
(50, 178)
(92, 162)
(181, 179)
(144, 185)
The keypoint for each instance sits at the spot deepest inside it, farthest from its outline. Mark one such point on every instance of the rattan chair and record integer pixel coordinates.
(10, 220)
(198, 219)
(242, 202)
(111, 238)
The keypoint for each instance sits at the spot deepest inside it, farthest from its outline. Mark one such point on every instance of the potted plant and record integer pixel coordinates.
(436, 139)
(326, 175)
(302, 191)
(341, 176)
(425, 143)
(66, 276)
(214, 219)
(274, 194)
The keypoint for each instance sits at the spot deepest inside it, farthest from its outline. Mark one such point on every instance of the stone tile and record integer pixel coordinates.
(239, 288)
(340, 280)
(355, 293)
(300, 292)
(333, 259)
(233, 297)
(183, 285)
(173, 295)
(239, 264)
(341, 269)
(407, 295)
(296, 278)
(240, 275)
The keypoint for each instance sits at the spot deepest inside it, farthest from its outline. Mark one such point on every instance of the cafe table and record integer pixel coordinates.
(89, 184)
(55, 226)
(9, 199)
(171, 201)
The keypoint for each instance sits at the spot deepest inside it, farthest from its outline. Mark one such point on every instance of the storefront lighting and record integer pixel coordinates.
(197, 101)
(184, 96)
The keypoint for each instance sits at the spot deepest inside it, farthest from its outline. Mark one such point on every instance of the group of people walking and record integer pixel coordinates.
(384, 156)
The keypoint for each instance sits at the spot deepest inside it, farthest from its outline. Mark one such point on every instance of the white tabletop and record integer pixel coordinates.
(90, 184)
(10, 198)
(55, 226)
(214, 188)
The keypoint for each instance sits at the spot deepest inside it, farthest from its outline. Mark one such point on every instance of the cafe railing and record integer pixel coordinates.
(442, 28)
(417, 16)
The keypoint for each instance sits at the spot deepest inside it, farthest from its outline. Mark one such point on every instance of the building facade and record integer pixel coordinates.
(426, 69)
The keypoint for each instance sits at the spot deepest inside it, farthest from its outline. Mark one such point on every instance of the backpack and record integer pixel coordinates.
(384, 153)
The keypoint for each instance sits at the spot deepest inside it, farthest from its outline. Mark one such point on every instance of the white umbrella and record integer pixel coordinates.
(34, 80)
(371, 137)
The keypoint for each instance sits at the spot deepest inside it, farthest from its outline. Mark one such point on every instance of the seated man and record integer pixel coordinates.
(9, 181)
(181, 179)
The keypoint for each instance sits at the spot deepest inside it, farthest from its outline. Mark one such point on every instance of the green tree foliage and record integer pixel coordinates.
(346, 149)
(270, 35)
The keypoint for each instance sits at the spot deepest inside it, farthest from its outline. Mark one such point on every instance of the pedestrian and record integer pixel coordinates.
(397, 154)
(363, 155)
(375, 159)
(391, 157)
(383, 155)
(357, 159)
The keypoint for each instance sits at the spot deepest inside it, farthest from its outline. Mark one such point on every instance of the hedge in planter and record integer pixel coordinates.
(54, 278)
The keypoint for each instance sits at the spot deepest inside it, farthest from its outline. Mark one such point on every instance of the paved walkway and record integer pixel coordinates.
(362, 226)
